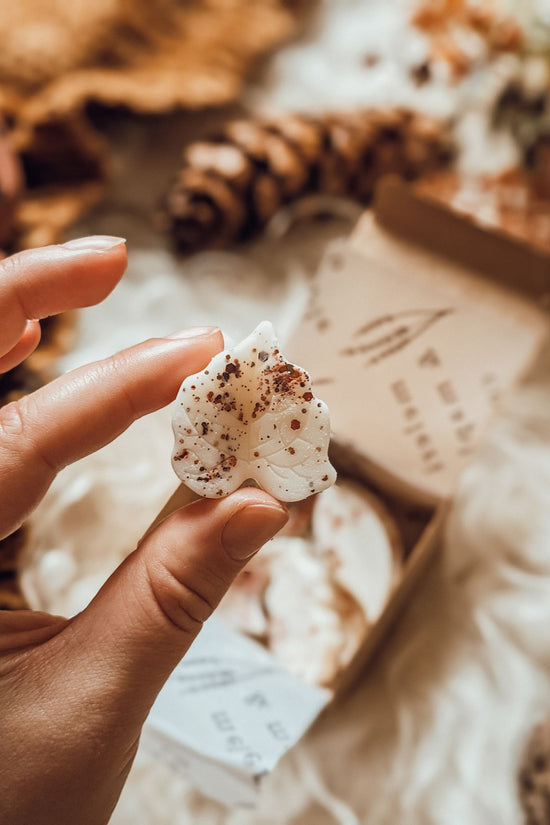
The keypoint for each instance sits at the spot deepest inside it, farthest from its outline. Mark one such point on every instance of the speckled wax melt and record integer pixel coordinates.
(252, 415)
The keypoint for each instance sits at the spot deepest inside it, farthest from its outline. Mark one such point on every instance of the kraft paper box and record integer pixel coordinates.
(411, 349)
(416, 326)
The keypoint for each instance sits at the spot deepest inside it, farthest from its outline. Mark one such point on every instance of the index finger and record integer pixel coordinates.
(87, 408)
(37, 283)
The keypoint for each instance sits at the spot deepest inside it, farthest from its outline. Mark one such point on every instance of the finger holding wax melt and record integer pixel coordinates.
(75, 692)
(252, 415)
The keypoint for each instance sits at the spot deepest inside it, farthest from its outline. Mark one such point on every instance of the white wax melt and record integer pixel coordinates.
(252, 415)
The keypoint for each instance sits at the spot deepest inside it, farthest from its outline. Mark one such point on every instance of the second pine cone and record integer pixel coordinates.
(230, 186)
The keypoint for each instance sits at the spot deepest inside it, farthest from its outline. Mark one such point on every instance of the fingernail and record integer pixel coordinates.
(95, 243)
(192, 332)
(250, 527)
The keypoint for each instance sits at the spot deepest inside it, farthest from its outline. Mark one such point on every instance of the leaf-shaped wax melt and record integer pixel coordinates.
(252, 415)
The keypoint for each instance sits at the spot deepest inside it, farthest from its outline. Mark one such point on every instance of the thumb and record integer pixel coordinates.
(148, 613)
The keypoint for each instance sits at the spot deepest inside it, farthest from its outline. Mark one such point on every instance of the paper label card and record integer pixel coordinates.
(411, 353)
(228, 713)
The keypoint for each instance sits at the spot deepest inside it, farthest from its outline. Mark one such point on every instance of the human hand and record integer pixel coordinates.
(74, 693)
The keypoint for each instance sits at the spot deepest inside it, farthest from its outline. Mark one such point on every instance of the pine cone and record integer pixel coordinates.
(534, 777)
(11, 597)
(230, 186)
(10, 188)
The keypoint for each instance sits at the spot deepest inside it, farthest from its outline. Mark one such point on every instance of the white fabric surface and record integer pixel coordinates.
(433, 733)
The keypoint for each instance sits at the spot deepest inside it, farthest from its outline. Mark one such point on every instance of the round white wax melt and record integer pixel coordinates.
(313, 593)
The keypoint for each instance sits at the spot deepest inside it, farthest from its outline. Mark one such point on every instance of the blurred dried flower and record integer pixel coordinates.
(462, 32)
(147, 55)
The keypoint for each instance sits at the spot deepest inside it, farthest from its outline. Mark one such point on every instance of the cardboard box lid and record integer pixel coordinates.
(425, 214)
(416, 327)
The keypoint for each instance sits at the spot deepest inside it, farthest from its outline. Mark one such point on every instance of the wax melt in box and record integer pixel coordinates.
(416, 325)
